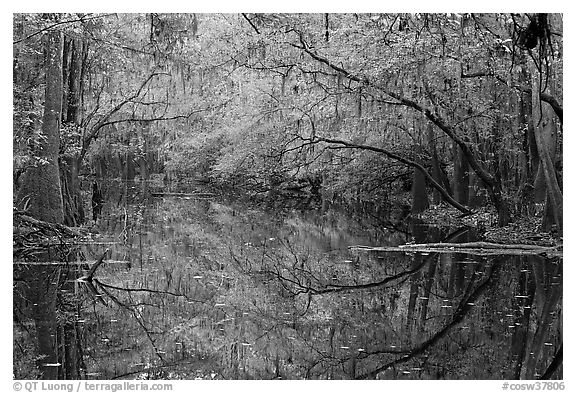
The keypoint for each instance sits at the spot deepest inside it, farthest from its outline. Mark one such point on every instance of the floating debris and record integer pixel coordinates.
(343, 347)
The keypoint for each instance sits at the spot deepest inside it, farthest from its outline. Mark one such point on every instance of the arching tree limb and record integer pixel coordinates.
(447, 197)
(492, 184)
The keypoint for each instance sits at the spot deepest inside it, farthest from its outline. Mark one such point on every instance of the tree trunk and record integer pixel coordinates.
(460, 185)
(543, 126)
(71, 196)
(40, 192)
(419, 192)
(74, 82)
(42, 196)
(70, 162)
(437, 172)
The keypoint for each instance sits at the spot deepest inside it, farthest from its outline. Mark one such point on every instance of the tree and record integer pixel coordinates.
(543, 120)
(41, 197)
(40, 193)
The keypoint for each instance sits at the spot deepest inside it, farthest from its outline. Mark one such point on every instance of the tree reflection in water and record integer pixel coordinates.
(221, 289)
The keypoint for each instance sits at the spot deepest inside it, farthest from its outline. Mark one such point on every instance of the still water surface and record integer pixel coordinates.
(212, 287)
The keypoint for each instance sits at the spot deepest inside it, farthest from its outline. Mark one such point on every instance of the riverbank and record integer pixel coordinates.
(526, 230)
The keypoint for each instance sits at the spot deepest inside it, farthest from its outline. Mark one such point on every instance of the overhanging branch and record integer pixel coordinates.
(447, 197)
(484, 175)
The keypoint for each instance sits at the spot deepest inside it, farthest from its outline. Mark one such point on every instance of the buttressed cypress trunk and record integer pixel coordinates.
(543, 123)
(40, 190)
(42, 195)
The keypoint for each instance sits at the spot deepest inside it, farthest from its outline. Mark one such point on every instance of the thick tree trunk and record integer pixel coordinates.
(543, 126)
(40, 192)
(42, 196)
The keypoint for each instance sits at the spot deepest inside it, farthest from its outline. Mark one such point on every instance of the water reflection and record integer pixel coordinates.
(217, 288)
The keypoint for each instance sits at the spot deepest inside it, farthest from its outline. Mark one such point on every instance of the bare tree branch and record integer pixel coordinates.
(82, 19)
(251, 24)
(447, 197)
(486, 176)
(104, 120)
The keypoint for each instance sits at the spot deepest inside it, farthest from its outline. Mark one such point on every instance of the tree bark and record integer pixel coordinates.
(40, 192)
(543, 125)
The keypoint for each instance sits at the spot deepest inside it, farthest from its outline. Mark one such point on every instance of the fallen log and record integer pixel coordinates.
(49, 226)
(474, 248)
(181, 194)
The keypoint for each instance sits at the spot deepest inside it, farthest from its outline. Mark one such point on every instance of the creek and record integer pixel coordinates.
(202, 285)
